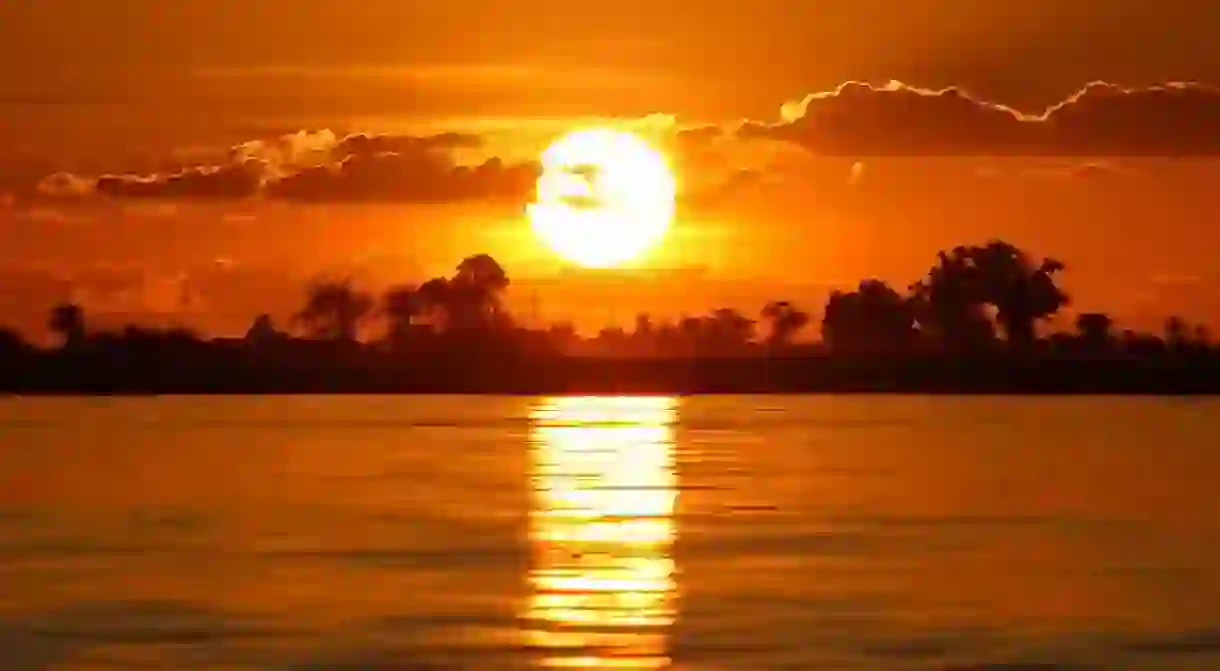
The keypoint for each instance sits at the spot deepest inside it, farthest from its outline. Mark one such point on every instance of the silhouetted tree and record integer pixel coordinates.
(474, 294)
(1023, 293)
(874, 317)
(688, 334)
(951, 301)
(482, 270)
(1141, 344)
(1175, 333)
(785, 321)
(948, 301)
(668, 338)
(334, 310)
(433, 297)
(67, 321)
(643, 327)
(262, 330)
(400, 305)
(1093, 329)
(724, 331)
(966, 297)
(728, 330)
(611, 339)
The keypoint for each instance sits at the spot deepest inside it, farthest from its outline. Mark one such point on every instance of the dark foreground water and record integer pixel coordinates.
(708, 533)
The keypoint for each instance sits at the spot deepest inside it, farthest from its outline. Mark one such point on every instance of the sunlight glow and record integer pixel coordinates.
(602, 532)
(605, 197)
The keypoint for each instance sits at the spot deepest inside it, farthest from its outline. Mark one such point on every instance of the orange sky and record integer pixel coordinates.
(268, 90)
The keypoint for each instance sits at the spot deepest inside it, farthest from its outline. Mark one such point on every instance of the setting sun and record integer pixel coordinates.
(604, 198)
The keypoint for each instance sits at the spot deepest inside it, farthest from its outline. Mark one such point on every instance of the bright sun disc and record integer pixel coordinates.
(604, 197)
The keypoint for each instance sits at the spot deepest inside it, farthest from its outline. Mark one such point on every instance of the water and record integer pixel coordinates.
(707, 533)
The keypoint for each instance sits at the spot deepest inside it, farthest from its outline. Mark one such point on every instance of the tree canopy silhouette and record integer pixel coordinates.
(262, 330)
(730, 329)
(401, 305)
(785, 319)
(873, 318)
(334, 310)
(1094, 330)
(475, 293)
(951, 301)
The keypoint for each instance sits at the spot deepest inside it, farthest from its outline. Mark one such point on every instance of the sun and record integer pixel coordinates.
(604, 198)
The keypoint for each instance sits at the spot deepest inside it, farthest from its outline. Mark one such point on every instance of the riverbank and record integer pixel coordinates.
(59, 374)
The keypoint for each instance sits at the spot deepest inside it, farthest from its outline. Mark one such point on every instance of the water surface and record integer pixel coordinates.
(696, 533)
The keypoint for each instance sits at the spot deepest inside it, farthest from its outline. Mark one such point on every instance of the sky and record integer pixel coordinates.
(198, 161)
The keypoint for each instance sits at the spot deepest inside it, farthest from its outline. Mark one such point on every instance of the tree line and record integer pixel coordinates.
(976, 322)
(974, 300)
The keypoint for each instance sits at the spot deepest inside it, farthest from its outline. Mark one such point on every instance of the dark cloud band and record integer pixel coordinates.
(855, 120)
(317, 167)
(859, 119)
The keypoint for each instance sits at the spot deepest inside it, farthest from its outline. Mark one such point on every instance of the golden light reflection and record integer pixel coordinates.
(602, 532)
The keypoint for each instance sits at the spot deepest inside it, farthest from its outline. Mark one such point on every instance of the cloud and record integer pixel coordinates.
(287, 152)
(855, 121)
(318, 166)
(1177, 119)
(292, 152)
(859, 119)
(235, 180)
(361, 144)
(700, 134)
(64, 185)
(653, 125)
(407, 178)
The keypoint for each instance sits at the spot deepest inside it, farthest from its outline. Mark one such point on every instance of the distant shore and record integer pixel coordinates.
(976, 324)
(60, 375)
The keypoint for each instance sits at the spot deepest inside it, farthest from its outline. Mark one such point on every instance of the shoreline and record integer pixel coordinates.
(58, 375)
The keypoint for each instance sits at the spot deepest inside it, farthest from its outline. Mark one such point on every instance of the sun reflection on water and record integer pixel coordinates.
(602, 531)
